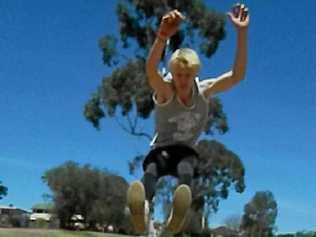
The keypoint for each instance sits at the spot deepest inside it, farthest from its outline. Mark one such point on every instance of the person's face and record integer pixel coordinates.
(182, 77)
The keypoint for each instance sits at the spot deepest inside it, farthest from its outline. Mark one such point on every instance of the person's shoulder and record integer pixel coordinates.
(206, 82)
(204, 85)
(163, 98)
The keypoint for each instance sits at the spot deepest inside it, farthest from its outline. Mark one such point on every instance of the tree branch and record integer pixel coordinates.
(142, 134)
(122, 125)
(132, 128)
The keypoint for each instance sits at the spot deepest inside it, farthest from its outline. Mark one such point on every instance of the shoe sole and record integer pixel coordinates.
(136, 204)
(181, 204)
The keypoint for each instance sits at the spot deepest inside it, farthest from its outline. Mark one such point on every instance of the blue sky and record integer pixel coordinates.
(50, 63)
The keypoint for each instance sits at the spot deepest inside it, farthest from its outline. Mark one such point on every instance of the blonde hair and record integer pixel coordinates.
(186, 58)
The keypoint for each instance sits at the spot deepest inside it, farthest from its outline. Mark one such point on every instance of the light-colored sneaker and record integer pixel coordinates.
(139, 208)
(181, 204)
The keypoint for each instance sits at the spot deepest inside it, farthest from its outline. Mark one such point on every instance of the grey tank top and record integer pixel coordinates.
(180, 124)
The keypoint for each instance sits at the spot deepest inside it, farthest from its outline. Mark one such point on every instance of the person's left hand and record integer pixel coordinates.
(239, 15)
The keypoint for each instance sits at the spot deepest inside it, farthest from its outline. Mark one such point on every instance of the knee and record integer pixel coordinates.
(151, 169)
(185, 168)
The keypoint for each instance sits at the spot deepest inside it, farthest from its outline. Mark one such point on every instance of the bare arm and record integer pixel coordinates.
(167, 28)
(240, 19)
(154, 78)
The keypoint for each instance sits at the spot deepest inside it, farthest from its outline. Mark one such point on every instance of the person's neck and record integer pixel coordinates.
(186, 97)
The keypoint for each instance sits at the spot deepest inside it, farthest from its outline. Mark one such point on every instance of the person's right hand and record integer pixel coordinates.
(169, 24)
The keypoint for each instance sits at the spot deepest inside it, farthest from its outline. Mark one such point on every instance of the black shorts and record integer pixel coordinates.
(168, 157)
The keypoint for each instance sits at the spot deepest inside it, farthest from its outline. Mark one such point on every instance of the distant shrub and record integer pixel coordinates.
(40, 223)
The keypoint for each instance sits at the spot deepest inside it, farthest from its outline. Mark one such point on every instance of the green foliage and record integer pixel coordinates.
(98, 196)
(260, 215)
(93, 112)
(108, 46)
(40, 223)
(217, 119)
(3, 190)
(305, 234)
(138, 20)
(221, 165)
(219, 169)
(126, 89)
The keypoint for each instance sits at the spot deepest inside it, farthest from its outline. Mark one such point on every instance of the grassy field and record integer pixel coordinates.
(11, 232)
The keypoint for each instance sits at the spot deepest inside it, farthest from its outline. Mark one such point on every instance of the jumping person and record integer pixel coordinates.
(181, 110)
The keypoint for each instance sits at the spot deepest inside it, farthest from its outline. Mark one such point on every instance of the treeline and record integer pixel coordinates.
(99, 196)
(300, 234)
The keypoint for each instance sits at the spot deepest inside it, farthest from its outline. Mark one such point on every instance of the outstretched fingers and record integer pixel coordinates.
(240, 11)
(179, 15)
(173, 17)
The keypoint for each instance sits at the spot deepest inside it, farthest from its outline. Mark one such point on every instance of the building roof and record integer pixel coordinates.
(11, 207)
(7, 207)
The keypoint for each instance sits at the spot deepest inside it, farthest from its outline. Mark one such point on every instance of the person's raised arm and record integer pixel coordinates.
(167, 28)
(240, 18)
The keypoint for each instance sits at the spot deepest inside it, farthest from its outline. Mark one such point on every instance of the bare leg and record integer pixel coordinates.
(149, 180)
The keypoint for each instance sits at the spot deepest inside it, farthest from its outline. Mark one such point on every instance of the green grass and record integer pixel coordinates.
(14, 232)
